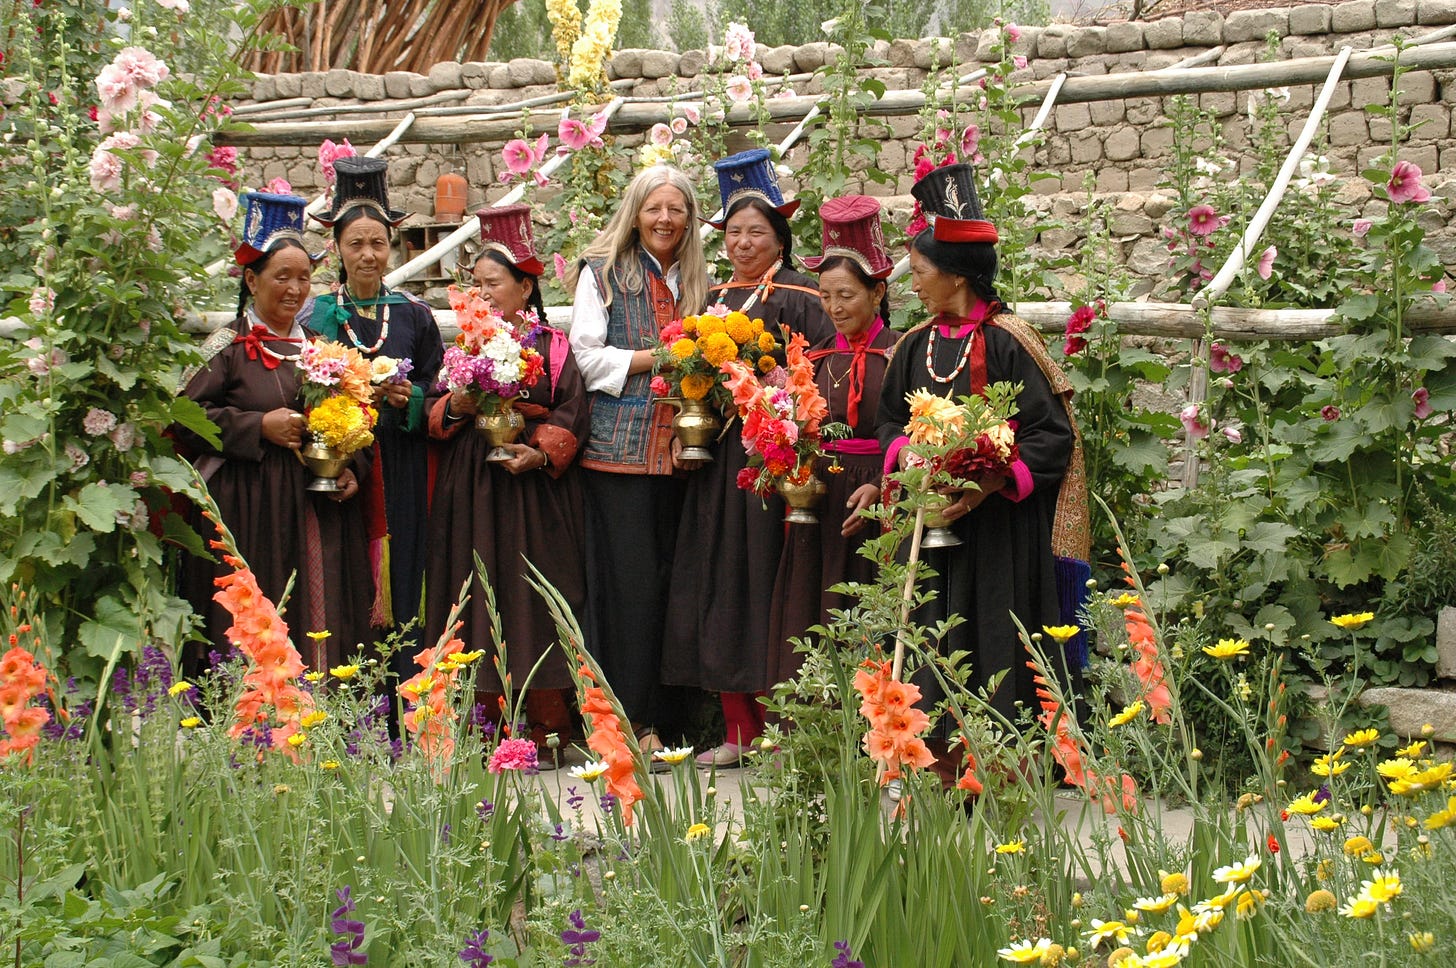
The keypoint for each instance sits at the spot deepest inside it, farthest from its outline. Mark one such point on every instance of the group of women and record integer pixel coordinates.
(682, 581)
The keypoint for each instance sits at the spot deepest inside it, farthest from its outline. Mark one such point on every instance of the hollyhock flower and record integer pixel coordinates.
(1193, 422)
(42, 300)
(181, 6)
(1220, 360)
(1405, 184)
(1081, 320)
(558, 265)
(1438, 286)
(1203, 220)
(1019, 60)
(278, 186)
(1233, 435)
(1073, 345)
(691, 112)
(1359, 227)
(224, 157)
(783, 94)
(679, 125)
(518, 156)
(660, 134)
(1330, 413)
(105, 170)
(755, 71)
(123, 438)
(1421, 399)
(1013, 32)
(574, 134)
(739, 89)
(329, 153)
(738, 42)
(98, 422)
(224, 203)
(1266, 262)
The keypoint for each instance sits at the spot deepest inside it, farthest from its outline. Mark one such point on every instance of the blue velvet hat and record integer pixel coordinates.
(267, 219)
(750, 174)
(361, 181)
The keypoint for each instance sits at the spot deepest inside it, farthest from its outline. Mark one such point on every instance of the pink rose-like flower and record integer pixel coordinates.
(1421, 398)
(1193, 423)
(224, 157)
(1013, 32)
(1220, 360)
(1073, 345)
(1405, 184)
(105, 170)
(224, 203)
(1080, 321)
(123, 438)
(755, 71)
(278, 186)
(1359, 227)
(679, 125)
(513, 754)
(738, 42)
(1233, 435)
(1266, 262)
(660, 387)
(42, 300)
(970, 139)
(1203, 220)
(518, 156)
(558, 264)
(1019, 61)
(660, 135)
(1330, 413)
(739, 89)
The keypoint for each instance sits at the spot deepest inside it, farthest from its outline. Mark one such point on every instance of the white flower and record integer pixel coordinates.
(382, 368)
(123, 438)
(661, 135)
(829, 26)
(98, 422)
(590, 771)
(224, 203)
(739, 89)
(42, 300)
(181, 6)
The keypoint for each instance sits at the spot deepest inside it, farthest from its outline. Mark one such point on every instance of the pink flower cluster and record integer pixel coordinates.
(329, 153)
(107, 167)
(121, 83)
(517, 755)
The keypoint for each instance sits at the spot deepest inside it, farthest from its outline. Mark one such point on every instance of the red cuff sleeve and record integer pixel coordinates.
(559, 446)
(1019, 486)
(440, 426)
(892, 454)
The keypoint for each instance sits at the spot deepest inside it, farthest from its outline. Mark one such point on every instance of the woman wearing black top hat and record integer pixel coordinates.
(728, 545)
(1005, 563)
(527, 508)
(249, 387)
(378, 321)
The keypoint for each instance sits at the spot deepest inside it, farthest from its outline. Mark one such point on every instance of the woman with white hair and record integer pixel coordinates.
(646, 269)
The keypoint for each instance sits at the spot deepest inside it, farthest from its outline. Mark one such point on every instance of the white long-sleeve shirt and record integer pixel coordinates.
(603, 366)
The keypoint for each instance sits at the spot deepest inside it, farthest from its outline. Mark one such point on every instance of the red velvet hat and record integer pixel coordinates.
(507, 230)
(852, 229)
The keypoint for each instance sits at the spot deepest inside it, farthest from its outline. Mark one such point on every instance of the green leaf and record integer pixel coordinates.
(189, 414)
(113, 622)
(97, 505)
(1269, 536)
(1140, 453)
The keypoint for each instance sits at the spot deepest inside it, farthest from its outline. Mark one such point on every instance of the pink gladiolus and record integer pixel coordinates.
(224, 203)
(518, 156)
(1266, 262)
(660, 135)
(1405, 184)
(1203, 220)
(1359, 227)
(1330, 413)
(1193, 422)
(739, 89)
(1421, 398)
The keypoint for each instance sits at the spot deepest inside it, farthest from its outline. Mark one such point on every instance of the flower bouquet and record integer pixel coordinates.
(688, 361)
(954, 446)
(493, 361)
(335, 383)
(783, 429)
(386, 370)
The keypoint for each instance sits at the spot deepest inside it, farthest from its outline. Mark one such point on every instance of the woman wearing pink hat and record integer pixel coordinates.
(849, 368)
(527, 508)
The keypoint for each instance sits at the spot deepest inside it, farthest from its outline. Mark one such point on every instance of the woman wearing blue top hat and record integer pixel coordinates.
(1022, 534)
(378, 321)
(728, 547)
(249, 387)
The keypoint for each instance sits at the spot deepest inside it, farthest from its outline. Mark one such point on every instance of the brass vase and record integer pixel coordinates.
(937, 529)
(696, 426)
(326, 464)
(802, 499)
(501, 425)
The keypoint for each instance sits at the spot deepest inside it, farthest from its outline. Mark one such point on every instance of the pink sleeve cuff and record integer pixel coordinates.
(1020, 485)
(892, 454)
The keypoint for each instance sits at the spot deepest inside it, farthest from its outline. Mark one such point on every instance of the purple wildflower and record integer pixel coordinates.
(445, 835)
(845, 958)
(473, 954)
(484, 810)
(559, 833)
(577, 937)
(346, 951)
(574, 800)
(608, 803)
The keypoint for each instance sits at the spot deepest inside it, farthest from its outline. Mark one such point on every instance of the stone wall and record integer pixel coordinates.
(1123, 144)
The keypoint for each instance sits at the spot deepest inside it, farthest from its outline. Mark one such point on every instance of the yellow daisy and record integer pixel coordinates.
(1427, 779)
(1307, 805)
(1327, 824)
(1329, 764)
(1238, 872)
(1128, 714)
(1155, 905)
(1226, 649)
(1351, 621)
(1361, 737)
(1026, 952)
(1060, 633)
(697, 831)
(1014, 847)
(1414, 750)
(1442, 818)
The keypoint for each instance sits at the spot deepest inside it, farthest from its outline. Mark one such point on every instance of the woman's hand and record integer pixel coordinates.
(864, 497)
(525, 458)
(395, 394)
(284, 427)
(462, 405)
(680, 462)
(349, 486)
(970, 499)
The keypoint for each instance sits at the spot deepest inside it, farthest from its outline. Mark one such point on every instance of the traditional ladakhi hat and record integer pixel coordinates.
(948, 199)
(267, 219)
(750, 174)
(361, 182)
(507, 229)
(852, 229)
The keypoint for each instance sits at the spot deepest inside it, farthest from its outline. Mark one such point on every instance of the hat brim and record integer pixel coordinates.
(813, 262)
(245, 255)
(787, 210)
(945, 229)
(392, 216)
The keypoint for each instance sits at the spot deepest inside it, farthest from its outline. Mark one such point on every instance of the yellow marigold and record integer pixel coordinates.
(1428, 779)
(767, 343)
(1060, 633)
(696, 831)
(1353, 620)
(1306, 805)
(708, 324)
(766, 364)
(1422, 942)
(329, 765)
(932, 417)
(1442, 818)
(1320, 900)
(191, 722)
(718, 349)
(1226, 649)
(1125, 599)
(314, 676)
(344, 671)
(1014, 847)
(1128, 714)
(1175, 883)
(690, 325)
(695, 386)
(343, 424)
(297, 740)
(1361, 737)
(1358, 846)
(738, 326)
(683, 347)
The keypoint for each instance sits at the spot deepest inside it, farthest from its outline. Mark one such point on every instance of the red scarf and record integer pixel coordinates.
(860, 347)
(254, 339)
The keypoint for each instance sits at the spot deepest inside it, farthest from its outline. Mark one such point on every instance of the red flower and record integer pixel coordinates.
(1273, 844)
(1081, 320)
(1073, 345)
(1203, 220)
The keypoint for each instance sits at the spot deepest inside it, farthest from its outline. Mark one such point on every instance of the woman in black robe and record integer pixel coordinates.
(525, 509)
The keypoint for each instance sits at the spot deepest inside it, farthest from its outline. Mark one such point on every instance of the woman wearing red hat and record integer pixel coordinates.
(249, 388)
(527, 508)
(849, 368)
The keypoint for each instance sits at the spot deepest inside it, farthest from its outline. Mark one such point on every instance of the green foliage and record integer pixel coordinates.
(523, 30)
(638, 27)
(687, 24)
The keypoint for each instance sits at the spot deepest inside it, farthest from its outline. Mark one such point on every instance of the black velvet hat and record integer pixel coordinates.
(361, 181)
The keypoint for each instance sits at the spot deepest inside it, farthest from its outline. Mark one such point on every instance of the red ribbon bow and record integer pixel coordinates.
(254, 339)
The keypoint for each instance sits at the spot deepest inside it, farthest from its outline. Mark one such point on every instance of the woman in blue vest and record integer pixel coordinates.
(646, 269)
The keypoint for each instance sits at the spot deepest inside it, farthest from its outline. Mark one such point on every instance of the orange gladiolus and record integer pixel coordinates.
(895, 724)
(609, 742)
(22, 680)
(429, 714)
